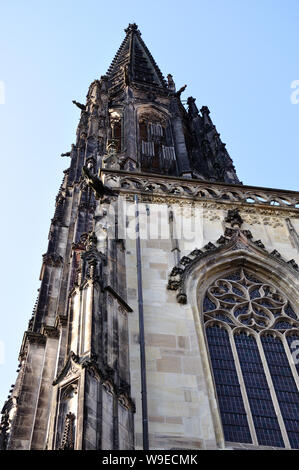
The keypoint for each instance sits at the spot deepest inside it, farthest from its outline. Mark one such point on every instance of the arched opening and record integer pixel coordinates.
(116, 130)
(250, 328)
(157, 153)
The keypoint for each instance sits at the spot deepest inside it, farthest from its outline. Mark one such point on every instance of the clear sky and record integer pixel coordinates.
(239, 57)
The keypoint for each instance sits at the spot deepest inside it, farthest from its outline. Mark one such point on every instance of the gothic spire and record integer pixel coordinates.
(133, 62)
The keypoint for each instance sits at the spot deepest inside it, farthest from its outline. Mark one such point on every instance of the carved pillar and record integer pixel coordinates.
(130, 134)
(179, 138)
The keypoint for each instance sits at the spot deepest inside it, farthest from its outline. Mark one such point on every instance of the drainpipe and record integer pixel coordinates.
(141, 332)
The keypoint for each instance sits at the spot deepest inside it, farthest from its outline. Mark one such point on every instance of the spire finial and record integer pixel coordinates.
(133, 27)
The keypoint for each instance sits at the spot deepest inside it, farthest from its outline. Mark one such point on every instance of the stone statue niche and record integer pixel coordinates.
(66, 417)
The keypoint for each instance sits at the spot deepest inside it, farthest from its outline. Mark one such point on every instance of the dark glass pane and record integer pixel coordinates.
(289, 311)
(233, 415)
(293, 342)
(262, 409)
(208, 305)
(252, 278)
(282, 325)
(285, 386)
(254, 294)
(233, 277)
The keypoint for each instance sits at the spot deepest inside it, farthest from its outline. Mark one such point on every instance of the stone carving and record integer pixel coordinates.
(127, 75)
(79, 105)
(242, 299)
(181, 90)
(67, 441)
(70, 368)
(52, 259)
(200, 190)
(96, 184)
(233, 217)
(293, 263)
(259, 243)
(76, 275)
(171, 84)
(69, 391)
(210, 215)
(234, 239)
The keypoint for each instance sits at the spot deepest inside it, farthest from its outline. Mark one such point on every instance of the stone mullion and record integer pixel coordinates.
(273, 393)
(243, 389)
(290, 360)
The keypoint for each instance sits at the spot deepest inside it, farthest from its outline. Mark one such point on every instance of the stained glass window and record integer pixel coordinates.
(231, 405)
(259, 404)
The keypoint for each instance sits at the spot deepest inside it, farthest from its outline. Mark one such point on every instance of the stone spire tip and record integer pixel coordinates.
(133, 27)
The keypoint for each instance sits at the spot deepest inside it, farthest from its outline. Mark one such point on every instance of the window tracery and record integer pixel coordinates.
(250, 328)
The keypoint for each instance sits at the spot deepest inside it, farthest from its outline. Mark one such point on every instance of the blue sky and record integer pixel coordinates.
(239, 57)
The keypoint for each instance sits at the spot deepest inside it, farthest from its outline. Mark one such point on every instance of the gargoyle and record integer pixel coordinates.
(81, 106)
(67, 154)
(180, 91)
(96, 184)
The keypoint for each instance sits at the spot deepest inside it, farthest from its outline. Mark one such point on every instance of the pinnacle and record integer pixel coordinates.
(133, 62)
(133, 27)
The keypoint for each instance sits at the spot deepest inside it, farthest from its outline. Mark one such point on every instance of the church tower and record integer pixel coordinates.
(167, 315)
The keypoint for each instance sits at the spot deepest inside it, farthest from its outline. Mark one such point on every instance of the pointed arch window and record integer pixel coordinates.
(157, 151)
(251, 328)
